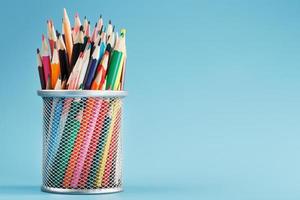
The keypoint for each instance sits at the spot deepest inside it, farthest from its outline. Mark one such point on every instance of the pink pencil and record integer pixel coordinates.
(46, 59)
(86, 144)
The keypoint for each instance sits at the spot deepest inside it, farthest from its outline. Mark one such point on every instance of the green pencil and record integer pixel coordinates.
(116, 64)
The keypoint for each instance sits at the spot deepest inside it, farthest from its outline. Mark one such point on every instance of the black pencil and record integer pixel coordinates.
(63, 58)
(78, 43)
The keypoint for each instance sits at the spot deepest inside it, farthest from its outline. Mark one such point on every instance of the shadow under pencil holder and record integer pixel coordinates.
(82, 141)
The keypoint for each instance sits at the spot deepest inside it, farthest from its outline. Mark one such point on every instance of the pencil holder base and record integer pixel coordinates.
(80, 191)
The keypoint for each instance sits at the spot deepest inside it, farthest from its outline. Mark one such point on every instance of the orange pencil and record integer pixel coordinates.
(68, 34)
(55, 68)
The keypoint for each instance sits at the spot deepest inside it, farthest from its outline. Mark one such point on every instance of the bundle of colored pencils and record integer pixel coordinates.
(83, 134)
(77, 59)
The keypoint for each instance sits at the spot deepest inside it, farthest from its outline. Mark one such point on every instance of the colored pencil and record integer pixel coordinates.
(51, 35)
(109, 30)
(111, 40)
(99, 24)
(54, 137)
(92, 68)
(109, 175)
(115, 64)
(78, 43)
(85, 63)
(40, 69)
(58, 85)
(68, 34)
(76, 27)
(63, 58)
(74, 76)
(94, 34)
(55, 68)
(46, 60)
(86, 26)
(123, 60)
(64, 83)
(105, 150)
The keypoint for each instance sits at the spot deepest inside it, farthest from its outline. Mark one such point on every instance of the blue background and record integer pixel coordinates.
(213, 108)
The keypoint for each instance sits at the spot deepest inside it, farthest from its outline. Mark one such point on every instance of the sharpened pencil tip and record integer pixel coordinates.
(81, 28)
(57, 33)
(100, 16)
(109, 21)
(96, 25)
(89, 22)
(37, 50)
(123, 32)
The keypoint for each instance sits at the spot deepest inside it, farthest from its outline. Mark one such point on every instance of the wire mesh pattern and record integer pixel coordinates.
(82, 143)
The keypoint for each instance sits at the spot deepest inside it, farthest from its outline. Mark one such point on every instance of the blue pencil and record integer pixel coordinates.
(54, 133)
(92, 68)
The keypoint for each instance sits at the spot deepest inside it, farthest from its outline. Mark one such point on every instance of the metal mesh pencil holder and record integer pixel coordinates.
(82, 141)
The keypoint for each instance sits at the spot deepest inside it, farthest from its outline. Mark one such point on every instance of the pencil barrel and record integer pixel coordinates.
(82, 143)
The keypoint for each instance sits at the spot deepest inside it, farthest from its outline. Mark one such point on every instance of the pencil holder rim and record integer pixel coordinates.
(81, 191)
(82, 93)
